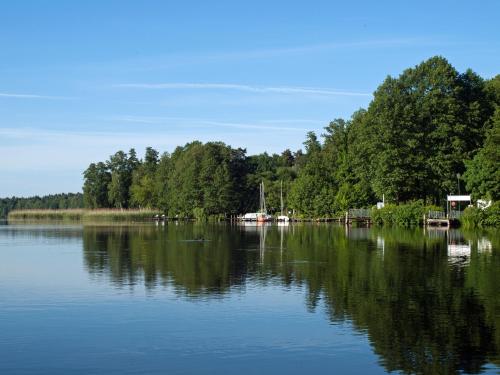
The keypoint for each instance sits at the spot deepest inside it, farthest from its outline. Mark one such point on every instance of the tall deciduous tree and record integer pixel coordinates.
(423, 125)
(95, 187)
(143, 188)
(483, 171)
(121, 167)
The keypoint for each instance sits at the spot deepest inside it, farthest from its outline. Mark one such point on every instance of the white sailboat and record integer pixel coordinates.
(262, 215)
(282, 217)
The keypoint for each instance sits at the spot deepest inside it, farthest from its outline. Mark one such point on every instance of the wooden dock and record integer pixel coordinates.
(358, 215)
(442, 219)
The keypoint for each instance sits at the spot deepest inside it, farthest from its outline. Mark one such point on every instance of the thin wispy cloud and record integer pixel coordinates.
(174, 59)
(165, 61)
(287, 90)
(319, 47)
(196, 122)
(31, 96)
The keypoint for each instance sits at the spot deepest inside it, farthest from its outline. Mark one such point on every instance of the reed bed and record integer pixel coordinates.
(72, 215)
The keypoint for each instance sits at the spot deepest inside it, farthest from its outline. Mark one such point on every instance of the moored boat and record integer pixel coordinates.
(282, 217)
(252, 216)
(262, 215)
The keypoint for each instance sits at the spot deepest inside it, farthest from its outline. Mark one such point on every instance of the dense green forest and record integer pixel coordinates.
(427, 133)
(55, 201)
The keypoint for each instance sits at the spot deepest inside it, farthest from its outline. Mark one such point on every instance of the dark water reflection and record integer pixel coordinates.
(428, 301)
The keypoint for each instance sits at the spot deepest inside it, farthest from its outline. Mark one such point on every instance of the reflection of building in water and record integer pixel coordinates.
(458, 247)
(459, 250)
(436, 232)
(484, 245)
(361, 233)
(381, 244)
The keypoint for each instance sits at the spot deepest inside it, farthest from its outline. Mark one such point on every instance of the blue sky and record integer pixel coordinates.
(81, 80)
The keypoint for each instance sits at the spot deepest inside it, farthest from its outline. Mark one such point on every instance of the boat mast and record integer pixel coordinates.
(281, 197)
(261, 206)
(263, 199)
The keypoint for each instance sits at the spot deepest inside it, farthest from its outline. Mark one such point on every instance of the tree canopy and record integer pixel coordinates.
(427, 133)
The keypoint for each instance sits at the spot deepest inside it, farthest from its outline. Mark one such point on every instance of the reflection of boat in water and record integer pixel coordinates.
(282, 217)
(458, 250)
(253, 226)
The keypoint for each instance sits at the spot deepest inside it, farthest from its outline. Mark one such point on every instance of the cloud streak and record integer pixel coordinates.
(175, 59)
(286, 90)
(320, 47)
(195, 122)
(31, 96)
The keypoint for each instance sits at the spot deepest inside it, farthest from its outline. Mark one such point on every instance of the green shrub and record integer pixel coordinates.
(405, 215)
(383, 215)
(474, 217)
(493, 215)
(200, 214)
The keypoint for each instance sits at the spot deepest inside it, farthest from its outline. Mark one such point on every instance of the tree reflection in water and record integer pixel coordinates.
(428, 300)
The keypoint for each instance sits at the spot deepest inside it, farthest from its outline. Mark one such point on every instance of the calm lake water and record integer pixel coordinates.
(215, 299)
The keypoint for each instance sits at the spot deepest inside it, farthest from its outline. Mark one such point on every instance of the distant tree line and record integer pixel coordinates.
(427, 133)
(196, 180)
(55, 201)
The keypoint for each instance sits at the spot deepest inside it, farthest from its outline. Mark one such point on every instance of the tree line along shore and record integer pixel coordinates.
(430, 132)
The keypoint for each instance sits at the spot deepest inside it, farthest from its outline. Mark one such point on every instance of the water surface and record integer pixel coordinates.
(210, 299)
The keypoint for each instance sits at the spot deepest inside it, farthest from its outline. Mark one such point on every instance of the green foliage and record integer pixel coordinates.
(143, 187)
(404, 215)
(483, 171)
(207, 176)
(474, 217)
(199, 214)
(423, 124)
(95, 188)
(121, 166)
(421, 132)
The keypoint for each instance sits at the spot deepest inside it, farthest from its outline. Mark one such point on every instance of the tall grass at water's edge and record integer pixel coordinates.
(72, 215)
(407, 215)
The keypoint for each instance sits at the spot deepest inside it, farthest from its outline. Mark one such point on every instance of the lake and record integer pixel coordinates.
(222, 298)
